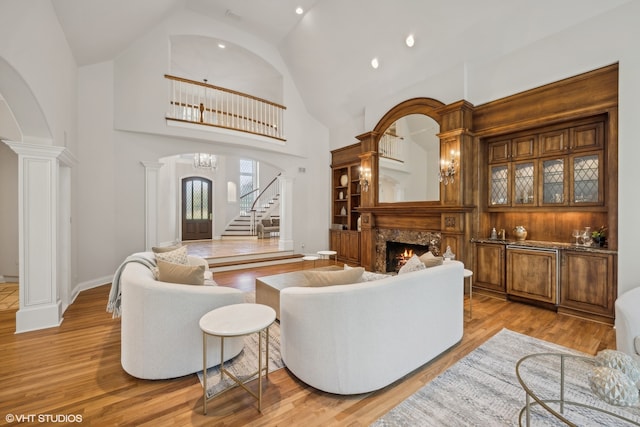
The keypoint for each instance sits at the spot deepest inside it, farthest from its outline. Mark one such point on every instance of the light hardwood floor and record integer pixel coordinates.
(75, 369)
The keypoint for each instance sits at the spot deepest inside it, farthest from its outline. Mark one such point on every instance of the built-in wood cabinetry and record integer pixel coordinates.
(489, 271)
(558, 166)
(344, 237)
(346, 196)
(573, 280)
(548, 160)
(587, 284)
(532, 274)
(347, 244)
(537, 159)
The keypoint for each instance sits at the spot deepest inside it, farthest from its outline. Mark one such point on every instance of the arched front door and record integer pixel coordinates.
(197, 214)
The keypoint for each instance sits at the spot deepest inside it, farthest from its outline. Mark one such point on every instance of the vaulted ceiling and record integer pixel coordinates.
(328, 49)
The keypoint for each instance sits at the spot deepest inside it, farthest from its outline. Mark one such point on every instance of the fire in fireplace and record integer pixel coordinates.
(398, 254)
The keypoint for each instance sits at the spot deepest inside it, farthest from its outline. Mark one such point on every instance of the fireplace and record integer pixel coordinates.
(424, 240)
(398, 253)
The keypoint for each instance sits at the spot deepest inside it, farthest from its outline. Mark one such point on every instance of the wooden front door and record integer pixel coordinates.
(197, 215)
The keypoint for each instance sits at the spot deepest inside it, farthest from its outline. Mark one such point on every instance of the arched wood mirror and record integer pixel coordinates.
(409, 153)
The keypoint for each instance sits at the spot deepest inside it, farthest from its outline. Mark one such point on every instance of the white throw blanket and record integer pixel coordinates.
(114, 303)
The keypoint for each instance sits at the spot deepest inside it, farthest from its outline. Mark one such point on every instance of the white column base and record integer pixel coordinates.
(38, 317)
(285, 245)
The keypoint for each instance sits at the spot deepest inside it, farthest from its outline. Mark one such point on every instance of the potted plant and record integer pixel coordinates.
(600, 236)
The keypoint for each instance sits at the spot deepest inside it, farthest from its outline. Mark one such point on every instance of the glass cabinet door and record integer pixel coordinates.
(499, 185)
(553, 182)
(523, 184)
(587, 179)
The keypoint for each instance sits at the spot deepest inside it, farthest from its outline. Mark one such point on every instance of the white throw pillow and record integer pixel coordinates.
(177, 256)
(414, 264)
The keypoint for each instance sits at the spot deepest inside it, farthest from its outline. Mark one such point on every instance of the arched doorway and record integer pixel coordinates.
(197, 213)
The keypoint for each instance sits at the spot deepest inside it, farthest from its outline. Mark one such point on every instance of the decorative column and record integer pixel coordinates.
(44, 187)
(368, 161)
(151, 203)
(456, 135)
(286, 213)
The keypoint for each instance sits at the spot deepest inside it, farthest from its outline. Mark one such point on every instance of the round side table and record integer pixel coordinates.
(469, 274)
(234, 321)
(329, 254)
(310, 258)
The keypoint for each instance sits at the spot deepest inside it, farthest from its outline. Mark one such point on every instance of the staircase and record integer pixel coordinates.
(241, 226)
(266, 204)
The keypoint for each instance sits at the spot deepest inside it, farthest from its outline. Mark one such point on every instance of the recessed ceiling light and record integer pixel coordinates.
(299, 10)
(374, 63)
(222, 45)
(410, 41)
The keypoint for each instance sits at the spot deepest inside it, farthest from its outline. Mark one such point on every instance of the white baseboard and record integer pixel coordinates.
(8, 279)
(90, 285)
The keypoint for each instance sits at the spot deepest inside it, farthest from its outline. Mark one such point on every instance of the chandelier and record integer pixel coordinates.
(205, 161)
(448, 168)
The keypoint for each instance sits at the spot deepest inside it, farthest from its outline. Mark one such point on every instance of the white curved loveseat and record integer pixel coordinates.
(160, 334)
(357, 338)
(628, 322)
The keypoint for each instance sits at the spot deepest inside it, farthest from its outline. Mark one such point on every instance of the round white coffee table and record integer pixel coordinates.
(234, 321)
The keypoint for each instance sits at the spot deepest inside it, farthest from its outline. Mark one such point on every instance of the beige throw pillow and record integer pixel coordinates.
(179, 273)
(177, 256)
(162, 249)
(430, 260)
(330, 278)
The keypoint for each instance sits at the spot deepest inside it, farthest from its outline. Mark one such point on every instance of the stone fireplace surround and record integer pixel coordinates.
(383, 235)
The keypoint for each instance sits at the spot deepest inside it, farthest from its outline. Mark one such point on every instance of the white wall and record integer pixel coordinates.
(597, 42)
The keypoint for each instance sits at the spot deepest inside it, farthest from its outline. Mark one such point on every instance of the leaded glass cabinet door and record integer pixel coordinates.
(553, 182)
(524, 190)
(587, 178)
(499, 185)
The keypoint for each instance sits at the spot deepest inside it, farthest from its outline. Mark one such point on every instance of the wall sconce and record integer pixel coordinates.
(365, 177)
(448, 168)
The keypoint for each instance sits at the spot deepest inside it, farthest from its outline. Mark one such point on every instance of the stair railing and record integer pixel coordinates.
(270, 193)
(247, 200)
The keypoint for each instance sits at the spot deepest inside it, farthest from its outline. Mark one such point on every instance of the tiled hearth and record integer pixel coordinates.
(427, 238)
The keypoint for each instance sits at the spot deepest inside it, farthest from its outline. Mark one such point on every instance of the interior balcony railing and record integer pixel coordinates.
(391, 147)
(201, 103)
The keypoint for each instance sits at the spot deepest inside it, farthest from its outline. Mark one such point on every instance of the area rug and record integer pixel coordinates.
(482, 389)
(246, 362)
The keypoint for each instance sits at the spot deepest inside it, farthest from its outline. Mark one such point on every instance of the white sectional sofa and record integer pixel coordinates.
(161, 337)
(357, 338)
